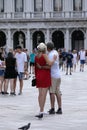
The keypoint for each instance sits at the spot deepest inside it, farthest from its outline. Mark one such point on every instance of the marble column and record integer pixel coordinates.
(85, 40)
(28, 44)
(67, 40)
(9, 42)
(47, 36)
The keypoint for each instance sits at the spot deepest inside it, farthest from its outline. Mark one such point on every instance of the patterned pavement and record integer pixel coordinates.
(16, 111)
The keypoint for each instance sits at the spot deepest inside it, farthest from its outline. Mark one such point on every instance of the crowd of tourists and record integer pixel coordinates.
(69, 60)
(12, 65)
(44, 63)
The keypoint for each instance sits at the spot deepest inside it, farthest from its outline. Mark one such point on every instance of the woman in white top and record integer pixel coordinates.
(75, 58)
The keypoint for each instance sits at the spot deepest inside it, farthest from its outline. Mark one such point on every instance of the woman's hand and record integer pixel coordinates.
(38, 66)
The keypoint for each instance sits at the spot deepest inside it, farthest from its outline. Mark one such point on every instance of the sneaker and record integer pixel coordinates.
(3, 93)
(13, 94)
(59, 111)
(39, 116)
(20, 93)
(51, 111)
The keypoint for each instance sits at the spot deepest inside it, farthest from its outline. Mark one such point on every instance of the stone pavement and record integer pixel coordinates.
(16, 111)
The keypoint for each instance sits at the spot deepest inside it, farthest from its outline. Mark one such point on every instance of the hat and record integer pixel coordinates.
(42, 47)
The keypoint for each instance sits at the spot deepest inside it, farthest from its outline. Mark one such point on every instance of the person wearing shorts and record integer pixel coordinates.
(55, 81)
(82, 55)
(69, 62)
(21, 59)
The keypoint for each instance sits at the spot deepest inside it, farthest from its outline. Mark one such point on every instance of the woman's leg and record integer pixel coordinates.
(15, 81)
(42, 98)
(11, 86)
(1, 82)
(6, 85)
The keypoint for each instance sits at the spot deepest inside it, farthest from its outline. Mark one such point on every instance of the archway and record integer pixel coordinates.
(58, 39)
(2, 39)
(19, 39)
(77, 40)
(38, 37)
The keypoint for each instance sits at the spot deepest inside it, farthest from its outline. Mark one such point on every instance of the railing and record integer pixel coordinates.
(44, 15)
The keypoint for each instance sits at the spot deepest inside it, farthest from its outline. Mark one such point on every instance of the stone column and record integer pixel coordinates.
(47, 36)
(9, 43)
(67, 40)
(85, 40)
(28, 44)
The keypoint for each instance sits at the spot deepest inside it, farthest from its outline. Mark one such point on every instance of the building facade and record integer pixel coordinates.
(29, 22)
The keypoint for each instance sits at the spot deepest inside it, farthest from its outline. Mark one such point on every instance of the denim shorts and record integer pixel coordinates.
(69, 65)
(21, 75)
(82, 62)
(2, 72)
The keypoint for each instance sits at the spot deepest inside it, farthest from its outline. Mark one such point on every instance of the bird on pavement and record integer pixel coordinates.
(26, 127)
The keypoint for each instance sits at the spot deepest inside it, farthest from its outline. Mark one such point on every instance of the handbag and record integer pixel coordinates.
(33, 82)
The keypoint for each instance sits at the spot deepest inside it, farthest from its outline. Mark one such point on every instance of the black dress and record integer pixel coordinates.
(10, 70)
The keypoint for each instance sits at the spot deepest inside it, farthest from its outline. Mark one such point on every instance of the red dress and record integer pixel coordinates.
(43, 76)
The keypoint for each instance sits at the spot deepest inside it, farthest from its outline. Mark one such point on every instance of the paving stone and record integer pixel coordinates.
(16, 111)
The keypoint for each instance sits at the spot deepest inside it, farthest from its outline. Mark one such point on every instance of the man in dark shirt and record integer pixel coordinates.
(64, 53)
(69, 64)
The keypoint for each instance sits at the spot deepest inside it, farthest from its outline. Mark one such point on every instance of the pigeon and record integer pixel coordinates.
(26, 127)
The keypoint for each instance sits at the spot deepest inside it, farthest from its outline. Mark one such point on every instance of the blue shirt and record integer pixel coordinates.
(32, 57)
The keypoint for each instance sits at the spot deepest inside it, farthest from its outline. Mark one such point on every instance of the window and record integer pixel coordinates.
(19, 6)
(77, 5)
(38, 5)
(1, 5)
(57, 5)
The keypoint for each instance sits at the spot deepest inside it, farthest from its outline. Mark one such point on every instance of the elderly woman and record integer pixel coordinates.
(43, 76)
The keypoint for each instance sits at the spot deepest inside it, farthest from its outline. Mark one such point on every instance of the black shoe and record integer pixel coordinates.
(6, 93)
(51, 111)
(13, 94)
(59, 111)
(20, 93)
(70, 73)
(66, 73)
(39, 116)
(3, 93)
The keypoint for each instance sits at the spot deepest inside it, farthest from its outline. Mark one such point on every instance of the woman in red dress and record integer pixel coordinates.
(43, 76)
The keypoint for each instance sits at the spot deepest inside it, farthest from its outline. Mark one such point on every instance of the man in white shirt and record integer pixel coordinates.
(82, 55)
(21, 60)
(56, 80)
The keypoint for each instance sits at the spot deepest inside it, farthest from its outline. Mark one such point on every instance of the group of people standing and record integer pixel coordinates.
(46, 65)
(45, 68)
(48, 62)
(12, 65)
(69, 60)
